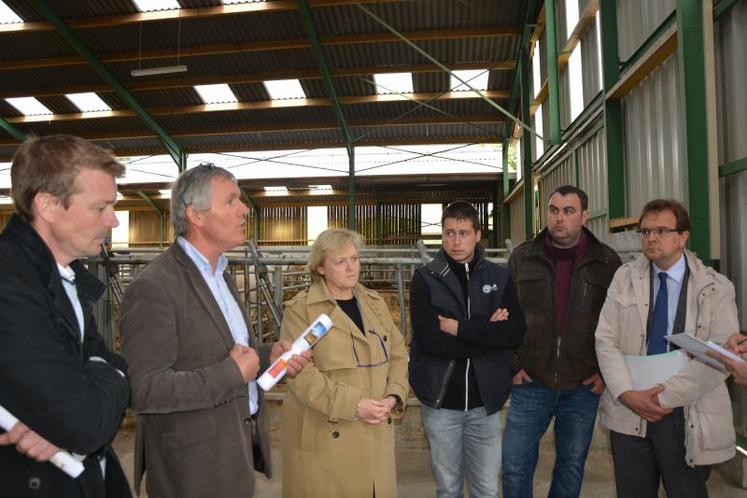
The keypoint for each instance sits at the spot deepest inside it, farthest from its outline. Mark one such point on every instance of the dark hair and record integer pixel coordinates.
(571, 189)
(51, 164)
(461, 210)
(677, 209)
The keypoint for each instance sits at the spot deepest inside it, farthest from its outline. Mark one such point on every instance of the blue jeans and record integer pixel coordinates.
(464, 442)
(532, 407)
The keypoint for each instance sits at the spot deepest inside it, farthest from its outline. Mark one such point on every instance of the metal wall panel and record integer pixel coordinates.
(592, 78)
(592, 179)
(637, 20)
(563, 174)
(730, 33)
(653, 139)
(518, 230)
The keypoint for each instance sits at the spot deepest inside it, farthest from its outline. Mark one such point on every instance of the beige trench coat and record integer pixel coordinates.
(326, 452)
(699, 389)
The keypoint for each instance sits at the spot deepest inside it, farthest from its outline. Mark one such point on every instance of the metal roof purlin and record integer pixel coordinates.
(74, 40)
(12, 130)
(316, 47)
(446, 69)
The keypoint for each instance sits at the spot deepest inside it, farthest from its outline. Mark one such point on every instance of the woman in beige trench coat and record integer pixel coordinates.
(338, 434)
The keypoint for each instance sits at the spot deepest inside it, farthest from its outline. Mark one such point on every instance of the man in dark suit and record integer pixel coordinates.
(58, 377)
(201, 419)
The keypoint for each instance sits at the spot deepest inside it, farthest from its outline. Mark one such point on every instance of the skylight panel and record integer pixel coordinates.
(216, 94)
(393, 83)
(28, 106)
(277, 190)
(477, 79)
(151, 5)
(7, 16)
(320, 187)
(284, 89)
(88, 102)
(231, 2)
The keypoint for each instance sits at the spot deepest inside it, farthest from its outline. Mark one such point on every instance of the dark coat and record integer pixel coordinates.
(561, 362)
(46, 378)
(437, 358)
(194, 433)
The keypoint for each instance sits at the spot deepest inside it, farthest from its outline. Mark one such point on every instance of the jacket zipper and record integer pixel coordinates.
(557, 360)
(469, 315)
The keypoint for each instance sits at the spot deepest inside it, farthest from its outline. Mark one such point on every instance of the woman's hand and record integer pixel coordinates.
(375, 411)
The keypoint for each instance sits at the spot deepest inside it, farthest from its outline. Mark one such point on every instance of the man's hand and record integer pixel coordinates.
(247, 360)
(29, 443)
(738, 344)
(499, 315)
(521, 377)
(295, 363)
(646, 403)
(448, 325)
(598, 384)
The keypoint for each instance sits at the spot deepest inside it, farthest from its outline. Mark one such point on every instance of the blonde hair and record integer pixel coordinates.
(327, 241)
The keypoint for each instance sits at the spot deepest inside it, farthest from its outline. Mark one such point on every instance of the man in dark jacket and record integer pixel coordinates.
(562, 277)
(466, 321)
(66, 388)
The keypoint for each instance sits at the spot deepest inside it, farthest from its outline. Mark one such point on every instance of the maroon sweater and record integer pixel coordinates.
(565, 261)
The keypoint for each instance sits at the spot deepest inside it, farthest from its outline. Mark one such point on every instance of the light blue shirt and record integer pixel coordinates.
(68, 283)
(675, 275)
(226, 302)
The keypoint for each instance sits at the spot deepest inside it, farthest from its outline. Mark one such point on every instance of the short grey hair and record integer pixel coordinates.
(193, 188)
(328, 241)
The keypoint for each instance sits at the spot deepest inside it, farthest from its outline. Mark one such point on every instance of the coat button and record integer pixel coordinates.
(248, 420)
(335, 435)
(636, 429)
(34, 483)
(384, 338)
(389, 420)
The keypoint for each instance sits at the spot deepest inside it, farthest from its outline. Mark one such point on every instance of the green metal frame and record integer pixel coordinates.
(526, 156)
(329, 86)
(506, 208)
(733, 167)
(176, 153)
(613, 118)
(552, 71)
(12, 130)
(161, 217)
(691, 53)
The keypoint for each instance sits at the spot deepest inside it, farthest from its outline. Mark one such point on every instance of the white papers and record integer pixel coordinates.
(62, 459)
(699, 348)
(647, 371)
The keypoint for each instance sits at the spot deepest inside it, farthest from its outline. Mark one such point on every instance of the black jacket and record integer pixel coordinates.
(438, 361)
(46, 378)
(561, 362)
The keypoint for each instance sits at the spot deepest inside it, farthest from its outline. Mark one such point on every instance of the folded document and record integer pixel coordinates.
(647, 371)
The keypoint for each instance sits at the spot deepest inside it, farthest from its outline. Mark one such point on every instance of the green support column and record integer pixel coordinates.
(613, 118)
(72, 38)
(552, 71)
(694, 104)
(12, 130)
(316, 48)
(526, 156)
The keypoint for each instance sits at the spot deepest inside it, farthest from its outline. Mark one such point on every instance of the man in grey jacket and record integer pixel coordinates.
(201, 418)
(675, 430)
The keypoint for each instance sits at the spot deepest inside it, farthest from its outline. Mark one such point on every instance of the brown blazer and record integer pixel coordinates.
(194, 433)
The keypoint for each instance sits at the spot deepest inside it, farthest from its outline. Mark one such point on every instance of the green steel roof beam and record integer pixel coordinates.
(698, 139)
(613, 117)
(176, 153)
(552, 71)
(12, 130)
(316, 48)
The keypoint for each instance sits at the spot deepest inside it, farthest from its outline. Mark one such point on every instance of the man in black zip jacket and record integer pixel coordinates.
(466, 321)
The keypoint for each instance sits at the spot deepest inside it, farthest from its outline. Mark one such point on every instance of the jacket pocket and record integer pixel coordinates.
(593, 293)
(712, 420)
(532, 288)
(188, 429)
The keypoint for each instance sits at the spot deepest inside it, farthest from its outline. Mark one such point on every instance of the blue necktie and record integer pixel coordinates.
(656, 342)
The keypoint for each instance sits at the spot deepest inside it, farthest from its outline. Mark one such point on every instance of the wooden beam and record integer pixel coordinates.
(183, 14)
(264, 104)
(287, 127)
(263, 46)
(238, 79)
(650, 60)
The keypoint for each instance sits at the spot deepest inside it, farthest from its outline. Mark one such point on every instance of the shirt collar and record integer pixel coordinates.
(201, 261)
(66, 273)
(676, 272)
